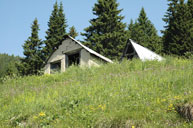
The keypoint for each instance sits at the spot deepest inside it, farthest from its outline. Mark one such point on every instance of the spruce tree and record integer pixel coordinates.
(62, 23)
(130, 28)
(178, 34)
(189, 36)
(144, 33)
(169, 18)
(189, 28)
(31, 63)
(51, 37)
(73, 33)
(106, 34)
(56, 30)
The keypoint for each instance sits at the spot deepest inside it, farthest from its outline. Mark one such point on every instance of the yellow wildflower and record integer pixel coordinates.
(133, 127)
(163, 100)
(42, 114)
(100, 106)
(103, 107)
(171, 107)
(177, 97)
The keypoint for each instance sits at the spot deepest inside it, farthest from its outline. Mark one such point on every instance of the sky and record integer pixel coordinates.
(16, 17)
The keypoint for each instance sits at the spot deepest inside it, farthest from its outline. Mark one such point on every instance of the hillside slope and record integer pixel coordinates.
(130, 94)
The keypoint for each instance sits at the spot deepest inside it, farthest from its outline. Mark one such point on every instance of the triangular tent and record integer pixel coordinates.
(133, 49)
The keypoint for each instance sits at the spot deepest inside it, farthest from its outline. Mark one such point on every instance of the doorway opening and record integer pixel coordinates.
(73, 59)
(129, 52)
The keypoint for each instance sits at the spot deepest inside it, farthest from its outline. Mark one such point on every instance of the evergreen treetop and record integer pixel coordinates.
(144, 33)
(73, 33)
(56, 30)
(51, 40)
(178, 34)
(106, 34)
(62, 23)
(32, 61)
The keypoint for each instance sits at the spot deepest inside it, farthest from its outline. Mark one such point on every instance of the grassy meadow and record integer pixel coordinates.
(132, 94)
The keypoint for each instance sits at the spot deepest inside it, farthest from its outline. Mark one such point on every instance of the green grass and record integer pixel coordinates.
(133, 93)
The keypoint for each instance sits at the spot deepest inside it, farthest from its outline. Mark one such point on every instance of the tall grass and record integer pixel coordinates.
(132, 93)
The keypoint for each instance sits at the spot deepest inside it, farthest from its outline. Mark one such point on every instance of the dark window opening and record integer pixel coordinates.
(73, 59)
(129, 52)
(55, 67)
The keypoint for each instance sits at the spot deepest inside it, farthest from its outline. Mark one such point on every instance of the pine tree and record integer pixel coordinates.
(106, 34)
(73, 33)
(62, 23)
(189, 42)
(56, 30)
(178, 35)
(144, 33)
(31, 63)
(169, 18)
(131, 29)
(51, 40)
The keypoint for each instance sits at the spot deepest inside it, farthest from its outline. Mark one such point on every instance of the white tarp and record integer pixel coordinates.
(144, 53)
